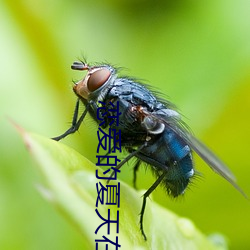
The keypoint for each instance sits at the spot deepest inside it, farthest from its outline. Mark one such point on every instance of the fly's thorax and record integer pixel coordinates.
(152, 125)
(154, 122)
(94, 85)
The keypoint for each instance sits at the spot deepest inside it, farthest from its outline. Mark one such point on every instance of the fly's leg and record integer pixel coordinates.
(75, 123)
(145, 196)
(136, 167)
(127, 158)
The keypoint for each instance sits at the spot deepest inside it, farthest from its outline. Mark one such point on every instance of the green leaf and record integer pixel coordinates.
(70, 185)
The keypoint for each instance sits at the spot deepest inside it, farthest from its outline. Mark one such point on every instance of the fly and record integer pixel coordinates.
(151, 129)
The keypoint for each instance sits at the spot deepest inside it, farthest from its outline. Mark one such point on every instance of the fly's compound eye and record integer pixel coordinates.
(97, 79)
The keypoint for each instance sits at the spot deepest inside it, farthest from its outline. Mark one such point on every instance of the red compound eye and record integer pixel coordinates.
(97, 79)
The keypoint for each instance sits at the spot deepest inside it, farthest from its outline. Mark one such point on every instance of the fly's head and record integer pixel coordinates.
(96, 79)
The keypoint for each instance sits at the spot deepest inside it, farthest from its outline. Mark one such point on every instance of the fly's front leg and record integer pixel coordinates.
(75, 123)
(144, 201)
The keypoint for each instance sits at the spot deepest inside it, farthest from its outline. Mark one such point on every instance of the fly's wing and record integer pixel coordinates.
(212, 160)
(175, 124)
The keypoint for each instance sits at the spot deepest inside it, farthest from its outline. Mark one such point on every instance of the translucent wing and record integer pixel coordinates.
(175, 124)
(208, 156)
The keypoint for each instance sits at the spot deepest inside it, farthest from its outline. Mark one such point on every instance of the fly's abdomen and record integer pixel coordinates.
(169, 154)
(180, 167)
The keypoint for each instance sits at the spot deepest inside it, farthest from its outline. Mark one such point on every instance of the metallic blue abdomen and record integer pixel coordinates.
(169, 153)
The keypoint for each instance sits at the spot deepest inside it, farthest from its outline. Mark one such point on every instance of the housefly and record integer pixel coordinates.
(151, 129)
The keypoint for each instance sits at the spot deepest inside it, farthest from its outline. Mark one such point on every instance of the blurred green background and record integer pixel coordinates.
(196, 53)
